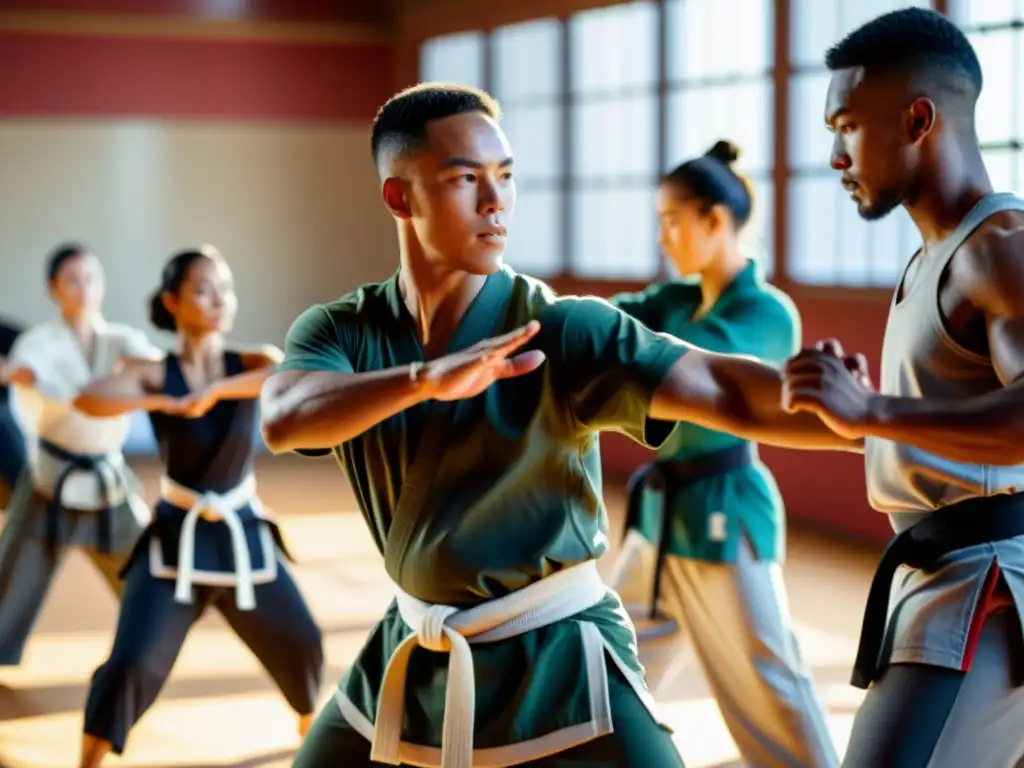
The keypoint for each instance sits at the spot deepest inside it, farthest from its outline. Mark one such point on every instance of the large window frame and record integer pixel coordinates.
(703, 75)
(828, 244)
(1003, 149)
(775, 182)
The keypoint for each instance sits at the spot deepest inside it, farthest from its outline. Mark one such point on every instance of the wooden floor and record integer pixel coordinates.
(219, 709)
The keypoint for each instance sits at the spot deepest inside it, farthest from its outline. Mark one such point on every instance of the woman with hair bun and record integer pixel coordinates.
(211, 543)
(705, 521)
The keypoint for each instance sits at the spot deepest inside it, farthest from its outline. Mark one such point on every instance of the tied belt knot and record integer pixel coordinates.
(664, 474)
(969, 523)
(443, 628)
(213, 507)
(92, 463)
(432, 632)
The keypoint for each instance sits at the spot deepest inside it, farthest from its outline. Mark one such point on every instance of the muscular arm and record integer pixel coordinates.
(317, 400)
(322, 409)
(735, 394)
(626, 378)
(986, 429)
(135, 388)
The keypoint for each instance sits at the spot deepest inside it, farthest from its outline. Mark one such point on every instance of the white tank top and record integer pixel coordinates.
(921, 359)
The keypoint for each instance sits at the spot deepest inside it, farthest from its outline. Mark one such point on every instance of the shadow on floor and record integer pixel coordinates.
(255, 762)
(17, 704)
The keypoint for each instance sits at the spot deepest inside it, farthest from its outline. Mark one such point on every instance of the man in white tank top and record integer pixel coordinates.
(943, 436)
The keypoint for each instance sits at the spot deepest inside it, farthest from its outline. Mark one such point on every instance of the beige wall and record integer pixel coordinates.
(294, 208)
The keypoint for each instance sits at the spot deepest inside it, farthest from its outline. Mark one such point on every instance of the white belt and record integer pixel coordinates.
(212, 506)
(445, 629)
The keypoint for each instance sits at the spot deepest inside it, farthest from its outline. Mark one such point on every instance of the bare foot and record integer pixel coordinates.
(93, 751)
(304, 722)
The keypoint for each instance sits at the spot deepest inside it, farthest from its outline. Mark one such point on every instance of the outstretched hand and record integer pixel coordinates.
(469, 372)
(834, 386)
(11, 375)
(191, 406)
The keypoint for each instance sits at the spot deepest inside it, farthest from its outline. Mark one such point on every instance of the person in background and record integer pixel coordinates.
(76, 490)
(12, 442)
(705, 531)
(211, 542)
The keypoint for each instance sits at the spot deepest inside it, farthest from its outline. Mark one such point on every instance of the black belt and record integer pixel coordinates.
(659, 475)
(958, 526)
(82, 463)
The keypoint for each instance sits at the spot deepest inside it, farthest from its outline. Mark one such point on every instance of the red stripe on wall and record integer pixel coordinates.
(269, 10)
(75, 75)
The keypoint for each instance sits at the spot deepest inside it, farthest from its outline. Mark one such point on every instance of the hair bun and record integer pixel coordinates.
(724, 151)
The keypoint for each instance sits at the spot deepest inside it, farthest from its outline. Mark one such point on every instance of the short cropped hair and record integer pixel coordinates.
(912, 39)
(400, 126)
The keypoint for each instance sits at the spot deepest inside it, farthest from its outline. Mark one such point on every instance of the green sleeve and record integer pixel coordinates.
(636, 304)
(315, 343)
(767, 329)
(614, 364)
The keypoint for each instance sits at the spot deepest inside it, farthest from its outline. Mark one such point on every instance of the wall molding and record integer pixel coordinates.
(415, 20)
(181, 28)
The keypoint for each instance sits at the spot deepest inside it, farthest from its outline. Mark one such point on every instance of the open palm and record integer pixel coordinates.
(469, 372)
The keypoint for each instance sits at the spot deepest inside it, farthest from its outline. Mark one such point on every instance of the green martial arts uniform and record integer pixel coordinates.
(472, 500)
(709, 516)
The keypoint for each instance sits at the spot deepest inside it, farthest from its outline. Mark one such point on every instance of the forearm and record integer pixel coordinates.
(977, 430)
(743, 397)
(105, 405)
(242, 386)
(322, 409)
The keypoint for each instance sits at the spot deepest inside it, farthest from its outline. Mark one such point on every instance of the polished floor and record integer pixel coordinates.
(219, 709)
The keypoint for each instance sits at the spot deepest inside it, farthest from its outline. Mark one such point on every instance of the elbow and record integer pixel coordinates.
(277, 421)
(275, 425)
(275, 434)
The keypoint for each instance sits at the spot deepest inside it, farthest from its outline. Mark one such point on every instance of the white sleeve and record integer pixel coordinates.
(29, 351)
(135, 343)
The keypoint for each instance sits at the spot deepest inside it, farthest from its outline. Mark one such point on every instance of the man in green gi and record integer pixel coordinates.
(464, 402)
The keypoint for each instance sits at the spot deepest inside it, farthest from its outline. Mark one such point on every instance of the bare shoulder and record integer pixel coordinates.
(258, 356)
(990, 265)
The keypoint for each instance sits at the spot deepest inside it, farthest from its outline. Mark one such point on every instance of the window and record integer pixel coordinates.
(527, 80)
(454, 58)
(996, 29)
(614, 119)
(721, 71)
(828, 243)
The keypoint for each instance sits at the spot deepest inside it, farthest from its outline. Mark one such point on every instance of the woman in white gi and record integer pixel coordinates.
(76, 490)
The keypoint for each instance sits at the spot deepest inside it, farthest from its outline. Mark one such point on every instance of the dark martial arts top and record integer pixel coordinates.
(497, 491)
(213, 453)
(12, 442)
(709, 515)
